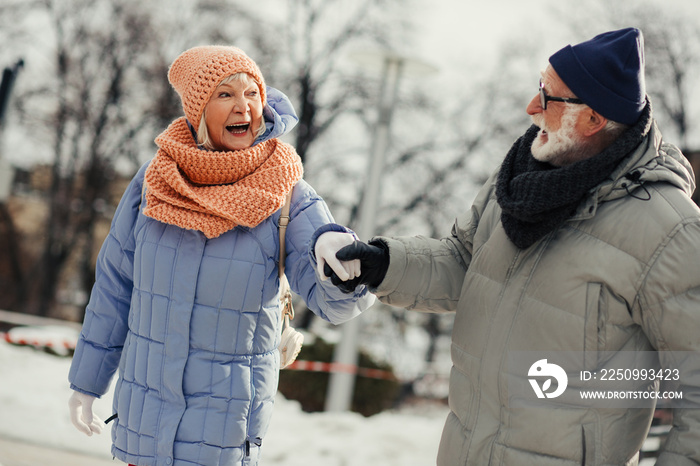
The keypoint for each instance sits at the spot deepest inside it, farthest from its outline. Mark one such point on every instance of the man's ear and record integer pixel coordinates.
(594, 123)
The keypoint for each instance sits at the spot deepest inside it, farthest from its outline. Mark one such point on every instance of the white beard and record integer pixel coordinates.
(563, 146)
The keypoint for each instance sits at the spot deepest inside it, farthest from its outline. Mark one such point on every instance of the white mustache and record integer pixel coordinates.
(538, 121)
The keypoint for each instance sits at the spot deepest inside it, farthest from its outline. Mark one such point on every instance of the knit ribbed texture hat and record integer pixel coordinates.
(607, 73)
(197, 72)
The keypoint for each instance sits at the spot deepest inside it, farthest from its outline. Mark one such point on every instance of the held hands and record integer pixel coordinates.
(326, 246)
(81, 414)
(374, 263)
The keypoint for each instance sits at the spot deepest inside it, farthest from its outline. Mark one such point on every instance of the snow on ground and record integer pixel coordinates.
(34, 396)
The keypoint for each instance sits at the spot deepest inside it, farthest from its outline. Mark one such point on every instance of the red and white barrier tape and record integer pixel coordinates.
(63, 344)
(310, 366)
(319, 366)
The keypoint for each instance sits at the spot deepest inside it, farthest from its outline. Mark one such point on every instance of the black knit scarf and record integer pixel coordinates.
(537, 198)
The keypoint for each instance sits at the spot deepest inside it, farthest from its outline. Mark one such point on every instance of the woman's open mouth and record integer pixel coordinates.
(239, 128)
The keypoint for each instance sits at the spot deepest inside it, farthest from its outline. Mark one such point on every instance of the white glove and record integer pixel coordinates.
(81, 414)
(327, 245)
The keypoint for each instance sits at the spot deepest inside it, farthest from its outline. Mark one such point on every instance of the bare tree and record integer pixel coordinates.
(673, 63)
(672, 56)
(92, 104)
(318, 65)
(303, 48)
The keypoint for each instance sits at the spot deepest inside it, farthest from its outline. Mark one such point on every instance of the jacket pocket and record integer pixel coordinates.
(588, 445)
(592, 326)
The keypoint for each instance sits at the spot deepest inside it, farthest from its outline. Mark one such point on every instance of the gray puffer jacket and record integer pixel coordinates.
(623, 274)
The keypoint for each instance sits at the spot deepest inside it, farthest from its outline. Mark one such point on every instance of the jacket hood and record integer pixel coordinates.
(280, 117)
(653, 161)
(669, 165)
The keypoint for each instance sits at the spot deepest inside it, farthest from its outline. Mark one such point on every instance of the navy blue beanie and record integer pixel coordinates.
(607, 73)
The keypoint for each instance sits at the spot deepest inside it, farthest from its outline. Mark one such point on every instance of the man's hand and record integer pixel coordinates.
(374, 262)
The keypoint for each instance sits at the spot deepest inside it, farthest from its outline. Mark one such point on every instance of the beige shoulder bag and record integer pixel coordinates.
(291, 341)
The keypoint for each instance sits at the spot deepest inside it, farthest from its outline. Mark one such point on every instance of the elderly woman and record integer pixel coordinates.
(186, 299)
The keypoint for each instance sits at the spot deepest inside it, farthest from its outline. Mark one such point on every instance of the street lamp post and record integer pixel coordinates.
(342, 379)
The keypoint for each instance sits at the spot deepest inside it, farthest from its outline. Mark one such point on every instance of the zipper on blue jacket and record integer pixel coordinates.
(252, 398)
(257, 441)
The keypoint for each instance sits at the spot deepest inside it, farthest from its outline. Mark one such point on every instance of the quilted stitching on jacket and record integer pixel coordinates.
(194, 326)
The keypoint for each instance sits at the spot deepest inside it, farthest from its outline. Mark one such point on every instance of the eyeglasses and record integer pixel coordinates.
(544, 98)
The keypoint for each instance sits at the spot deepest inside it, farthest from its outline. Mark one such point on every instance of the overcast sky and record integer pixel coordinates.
(453, 34)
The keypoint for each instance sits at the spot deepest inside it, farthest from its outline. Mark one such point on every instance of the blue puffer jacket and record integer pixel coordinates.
(193, 326)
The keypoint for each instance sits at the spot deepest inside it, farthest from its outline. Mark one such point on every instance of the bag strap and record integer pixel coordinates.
(287, 308)
(284, 221)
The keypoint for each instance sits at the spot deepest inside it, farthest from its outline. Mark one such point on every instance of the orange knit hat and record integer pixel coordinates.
(197, 72)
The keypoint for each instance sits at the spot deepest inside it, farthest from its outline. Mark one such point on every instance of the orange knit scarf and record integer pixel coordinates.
(213, 192)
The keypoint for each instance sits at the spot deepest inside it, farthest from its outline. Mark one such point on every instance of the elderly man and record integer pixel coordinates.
(585, 240)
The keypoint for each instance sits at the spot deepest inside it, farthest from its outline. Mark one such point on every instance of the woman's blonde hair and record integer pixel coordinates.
(203, 139)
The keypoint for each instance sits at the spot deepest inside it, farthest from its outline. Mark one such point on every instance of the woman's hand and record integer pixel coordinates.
(81, 414)
(327, 245)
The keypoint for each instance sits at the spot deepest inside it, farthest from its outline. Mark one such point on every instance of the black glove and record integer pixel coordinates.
(374, 262)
